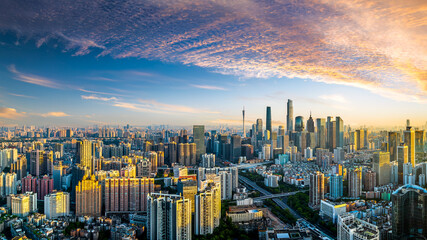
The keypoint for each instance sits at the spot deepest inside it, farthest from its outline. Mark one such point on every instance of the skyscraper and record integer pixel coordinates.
(168, 217)
(382, 167)
(84, 149)
(393, 142)
(409, 137)
(360, 139)
(208, 209)
(299, 123)
(339, 132)
(199, 140)
(355, 183)
(402, 159)
(321, 133)
(336, 186)
(409, 213)
(236, 148)
(268, 120)
(310, 124)
(290, 116)
(317, 188)
(57, 204)
(244, 130)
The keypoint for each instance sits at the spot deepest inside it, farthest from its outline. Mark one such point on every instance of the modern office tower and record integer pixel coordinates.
(19, 167)
(281, 131)
(382, 167)
(394, 172)
(208, 160)
(409, 138)
(173, 151)
(236, 148)
(299, 123)
(393, 142)
(332, 135)
(57, 176)
(352, 228)
(226, 185)
(69, 133)
(124, 194)
(188, 189)
(336, 186)
(44, 187)
(321, 133)
(193, 154)
(419, 141)
(317, 188)
(208, 209)
(328, 132)
(88, 197)
(355, 183)
(199, 140)
(360, 139)
(310, 124)
(168, 217)
(244, 130)
(369, 180)
(22, 205)
(57, 204)
(402, 159)
(409, 213)
(268, 119)
(290, 116)
(339, 132)
(84, 150)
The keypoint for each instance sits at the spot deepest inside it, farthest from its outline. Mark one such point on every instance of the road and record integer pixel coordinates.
(283, 205)
(279, 195)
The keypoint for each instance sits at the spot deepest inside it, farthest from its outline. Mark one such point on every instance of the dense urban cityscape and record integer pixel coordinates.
(314, 179)
(213, 119)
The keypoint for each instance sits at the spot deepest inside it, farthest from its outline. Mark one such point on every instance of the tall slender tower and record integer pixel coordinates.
(290, 116)
(268, 119)
(244, 130)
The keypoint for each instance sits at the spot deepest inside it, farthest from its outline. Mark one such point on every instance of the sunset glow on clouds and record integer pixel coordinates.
(379, 46)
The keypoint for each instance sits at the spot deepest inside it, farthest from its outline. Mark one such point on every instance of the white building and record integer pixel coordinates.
(208, 160)
(352, 228)
(272, 181)
(226, 185)
(22, 205)
(332, 210)
(57, 204)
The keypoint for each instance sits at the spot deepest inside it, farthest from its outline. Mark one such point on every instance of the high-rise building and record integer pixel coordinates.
(393, 142)
(409, 137)
(332, 135)
(268, 120)
(124, 194)
(57, 204)
(226, 185)
(321, 133)
(355, 183)
(208, 160)
(317, 188)
(41, 162)
(244, 130)
(339, 132)
(188, 189)
(44, 187)
(199, 140)
(290, 116)
(236, 148)
(402, 159)
(19, 167)
(336, 186)
(168, 217)
(88, 197)
(310, 124)
(369, 180)
(84, 149)
(299, 123)
(22, 205)
(360, 139)
(382, 167)
(409, 213)
(208, 209)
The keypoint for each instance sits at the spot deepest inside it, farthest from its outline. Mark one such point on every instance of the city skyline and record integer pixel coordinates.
(87, 70)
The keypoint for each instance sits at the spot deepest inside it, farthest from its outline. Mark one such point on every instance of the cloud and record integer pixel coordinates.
(94, 97)
(54, 114)
(144, 105)
(334, 97)
(10, 113)
(379, 45)
(22, 95)
(208, 87)
(33, 79)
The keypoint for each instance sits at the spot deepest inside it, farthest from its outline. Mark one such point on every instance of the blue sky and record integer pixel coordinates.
(185, 62)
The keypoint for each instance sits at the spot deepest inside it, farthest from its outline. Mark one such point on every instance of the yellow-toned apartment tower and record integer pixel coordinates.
(88, 197)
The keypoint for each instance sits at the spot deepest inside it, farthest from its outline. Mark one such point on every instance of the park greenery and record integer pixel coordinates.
(283, 214)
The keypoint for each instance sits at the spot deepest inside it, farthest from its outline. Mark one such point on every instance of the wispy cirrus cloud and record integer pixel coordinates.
(22, 95)
(208, 87)
(376, 45)
(94, 97)
(34, 79)
(334, 98)
(10, 113)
